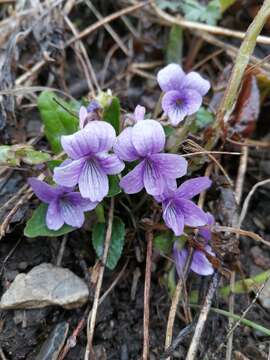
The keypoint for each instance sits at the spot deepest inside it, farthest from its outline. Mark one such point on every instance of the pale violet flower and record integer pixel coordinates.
(199, 263)
(65, 205)
(178, 209)
(89, 162)
(145, 142)
(183, 92)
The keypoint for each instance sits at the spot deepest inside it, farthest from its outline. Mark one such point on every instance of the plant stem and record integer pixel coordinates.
(91, 328)
(246, 322)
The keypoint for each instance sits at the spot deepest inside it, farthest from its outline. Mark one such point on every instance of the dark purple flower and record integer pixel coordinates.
(65, 205)
(199, 263)
(89, 163)
(179, 210)
(183, 92)
(88, 114)
(145, 141)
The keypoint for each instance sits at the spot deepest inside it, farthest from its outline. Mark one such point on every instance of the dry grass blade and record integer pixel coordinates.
(217, 30)
(248, 198)
(193, 348)
(241, 232)
(106, 20)
(92, 323)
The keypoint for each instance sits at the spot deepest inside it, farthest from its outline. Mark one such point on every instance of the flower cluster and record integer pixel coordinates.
(94, 152)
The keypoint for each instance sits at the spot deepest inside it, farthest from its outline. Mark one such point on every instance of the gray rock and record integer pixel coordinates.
(45, 285)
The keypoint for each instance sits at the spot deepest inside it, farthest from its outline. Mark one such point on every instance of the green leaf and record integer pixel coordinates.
(53, 163)
(168, 4)
(117, 241)
(36, 225)
(203, 117)
(168, 130)
(34, 157)
(195, 11)
(174, 49)
(163, 242)
(12, 155)
(111, 113)
(114, 188)
(8, 156)
(58, 120)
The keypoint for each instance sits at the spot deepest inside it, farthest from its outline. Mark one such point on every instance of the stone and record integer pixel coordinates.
(45, 285)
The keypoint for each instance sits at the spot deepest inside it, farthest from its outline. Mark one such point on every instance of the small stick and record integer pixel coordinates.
(71, 342)
(2, 355)
(242, 232)
(238, 195)
(109, 29)
(91, 328)
(193, 348)
(61, 250)
(147, 285)
(106, 20)
(248, 198)
(182, 334)
(217, 30)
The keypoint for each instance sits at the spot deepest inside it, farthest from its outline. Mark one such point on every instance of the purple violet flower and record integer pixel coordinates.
(145, 141)
(65, 205)
(199, 264)
(88, 114)
(89, 163)
(178, 209)
(183, 92)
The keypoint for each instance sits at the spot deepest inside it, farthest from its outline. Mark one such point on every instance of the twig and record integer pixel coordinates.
(238, 195)
(2, 355)
(89, 71)
(109, 29)
(71, 342)
(247, 233)
(61, 250)
(147, 285)
(248, 198)
(106, 20)
(217, 30)
(182, 334)
(241, 175)
(193, 348)
(240, 319)
(172, 313)
(248, 308)
(91, 327)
